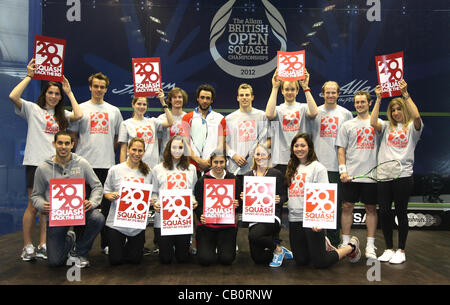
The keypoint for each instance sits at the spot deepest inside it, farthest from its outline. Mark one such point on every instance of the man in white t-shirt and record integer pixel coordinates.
(98, 133)
(289, 118)
(324, 130)
(357, 144)
(247, 127)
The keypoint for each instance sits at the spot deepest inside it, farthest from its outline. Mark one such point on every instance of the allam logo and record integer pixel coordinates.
(247, 41)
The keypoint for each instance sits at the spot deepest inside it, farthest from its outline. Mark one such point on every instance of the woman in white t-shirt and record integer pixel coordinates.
(309, 244)
(125, 244)
(146, 128)
(174, 172)
(400, 135)
(44, 118)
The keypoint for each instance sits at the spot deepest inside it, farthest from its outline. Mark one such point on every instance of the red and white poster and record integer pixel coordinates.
(291, 65)
(176, 212)
(66, 202)
(146, 76)
(390, 73)
(259, 199)
(133, 205)
(320, 205)
(49, 58)
(218, 207)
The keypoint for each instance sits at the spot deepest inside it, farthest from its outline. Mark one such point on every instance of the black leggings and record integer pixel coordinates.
(307, 245)
(397, 191)
(173, 245)
(209, 240)
(263, 239)
(123, 248)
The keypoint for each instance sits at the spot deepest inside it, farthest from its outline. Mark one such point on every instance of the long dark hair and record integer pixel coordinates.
(167, 155)
(60, 118)
(143, 167)
(294, 162)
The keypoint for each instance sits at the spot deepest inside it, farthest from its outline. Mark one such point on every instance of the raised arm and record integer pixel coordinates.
(272, 102)
(169, 117)
(312, 106)
(16, 93)
(376, 111)
(412, 108)
(77, 113)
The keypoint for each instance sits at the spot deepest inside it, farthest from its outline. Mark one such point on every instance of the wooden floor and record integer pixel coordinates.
(427, 263)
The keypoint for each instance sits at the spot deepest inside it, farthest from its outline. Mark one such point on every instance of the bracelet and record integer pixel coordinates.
(342, 168)
(165, 106)
(307, 90)
(406, 97)
(29, 76)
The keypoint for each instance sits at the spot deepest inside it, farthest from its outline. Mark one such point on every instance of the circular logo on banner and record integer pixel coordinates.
(247, 41)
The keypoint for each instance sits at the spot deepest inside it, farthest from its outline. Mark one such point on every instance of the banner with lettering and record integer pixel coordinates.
(67, 202)
(291, 65)
(320, 205)
(133, 205)
(49, 58)
(218, 207)
(176, 212)
(259, 199)
(146, 76)
(390, 73)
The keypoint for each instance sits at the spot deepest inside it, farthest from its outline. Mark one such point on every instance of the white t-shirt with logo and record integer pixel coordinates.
(399, 144)
(168, 133)
(245, 130)
(289, 120)
(361, 142)
(116, 175)
(164, 179)
(42, 127)
(146, 129)
(97, 129)
(314, 172)
(324, 129)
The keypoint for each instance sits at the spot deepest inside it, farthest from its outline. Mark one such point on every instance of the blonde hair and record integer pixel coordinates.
(245, 86)
(406, 114)
(330, 82)
(269, 153)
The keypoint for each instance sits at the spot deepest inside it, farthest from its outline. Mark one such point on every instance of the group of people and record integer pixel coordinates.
(294, 142)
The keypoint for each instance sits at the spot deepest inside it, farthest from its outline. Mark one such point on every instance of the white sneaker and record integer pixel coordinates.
(370, 252)
(386, 256)
(398, 258)
(28, 253)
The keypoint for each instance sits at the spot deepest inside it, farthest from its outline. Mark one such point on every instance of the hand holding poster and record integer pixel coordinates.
(66, 202)
(259, 199)
(320, 205)
(49, 58)
(291, 65)
(146, 76)
(218, 207)
(390, 73)
(133, 205)
(176, 212)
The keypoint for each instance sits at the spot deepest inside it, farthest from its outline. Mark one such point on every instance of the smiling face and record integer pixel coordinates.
(290, 91)
(245, 98)
(218, 164)
(361, 104)
(140, 106)
(330, 93)
(135, 152)
(98, 89)
(177, 150)
(261, 157)
(301, 150)
(52, 97)
(63, 145)
(177, 100)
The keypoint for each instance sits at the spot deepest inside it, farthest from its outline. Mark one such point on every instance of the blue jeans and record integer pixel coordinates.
(59, 243)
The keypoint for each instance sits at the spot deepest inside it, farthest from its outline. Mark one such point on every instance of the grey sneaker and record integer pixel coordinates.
(28, 253)
(41, 252)
(80, 261)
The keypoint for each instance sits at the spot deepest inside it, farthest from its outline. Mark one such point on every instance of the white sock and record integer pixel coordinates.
(371, 242)
(345, 239)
